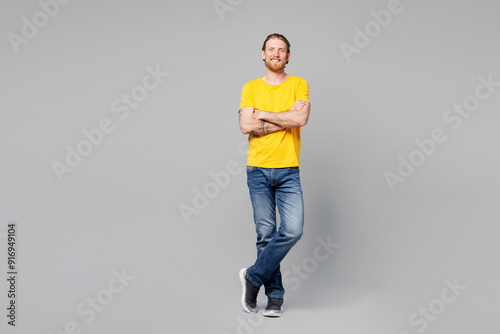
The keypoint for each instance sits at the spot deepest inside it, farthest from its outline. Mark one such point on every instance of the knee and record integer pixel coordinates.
(294, 235)
(265, 232)
(298, 235)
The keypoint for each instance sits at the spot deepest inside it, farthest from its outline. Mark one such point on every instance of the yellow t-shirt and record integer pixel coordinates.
(279, 149)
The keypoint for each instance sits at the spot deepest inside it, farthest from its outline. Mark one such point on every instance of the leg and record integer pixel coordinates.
(286, 181)
(274, 285)
(263, 198)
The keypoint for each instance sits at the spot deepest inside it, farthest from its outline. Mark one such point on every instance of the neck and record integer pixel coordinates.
(275, 78)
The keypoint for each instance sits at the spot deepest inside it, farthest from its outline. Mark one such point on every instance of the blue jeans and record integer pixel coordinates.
(271, 188)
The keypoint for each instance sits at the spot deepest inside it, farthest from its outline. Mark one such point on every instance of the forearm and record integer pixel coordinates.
(260, 127)
(286, 119)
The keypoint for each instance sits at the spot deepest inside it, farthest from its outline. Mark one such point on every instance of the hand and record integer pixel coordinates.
(299, 104)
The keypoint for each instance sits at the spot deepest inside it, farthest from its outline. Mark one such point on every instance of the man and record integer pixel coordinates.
(273, 109)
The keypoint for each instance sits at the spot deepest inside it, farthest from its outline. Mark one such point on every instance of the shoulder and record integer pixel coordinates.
(298, 83)
(298, 80)
(254, 82)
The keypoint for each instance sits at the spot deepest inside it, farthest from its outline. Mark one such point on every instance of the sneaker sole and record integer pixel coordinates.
(273, 314)
(243, 288)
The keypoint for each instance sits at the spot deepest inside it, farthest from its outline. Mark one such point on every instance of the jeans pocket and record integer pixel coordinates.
(251, 169)
(293, 169)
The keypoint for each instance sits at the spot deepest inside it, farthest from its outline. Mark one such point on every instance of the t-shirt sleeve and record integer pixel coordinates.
(247, 99)
(303, 90)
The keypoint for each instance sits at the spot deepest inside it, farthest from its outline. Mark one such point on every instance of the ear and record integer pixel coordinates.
(263, 55)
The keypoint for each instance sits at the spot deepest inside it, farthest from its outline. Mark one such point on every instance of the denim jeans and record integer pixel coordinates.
(271, 188)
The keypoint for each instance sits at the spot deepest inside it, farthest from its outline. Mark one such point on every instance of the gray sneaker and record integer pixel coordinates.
(249, 295)
(274, 307)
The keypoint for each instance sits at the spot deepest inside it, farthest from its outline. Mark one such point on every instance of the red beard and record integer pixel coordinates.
(275, 67)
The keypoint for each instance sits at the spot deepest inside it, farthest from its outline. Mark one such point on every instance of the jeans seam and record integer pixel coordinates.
(252, 281)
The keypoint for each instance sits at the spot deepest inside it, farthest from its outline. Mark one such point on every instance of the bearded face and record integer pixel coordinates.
(275, 55)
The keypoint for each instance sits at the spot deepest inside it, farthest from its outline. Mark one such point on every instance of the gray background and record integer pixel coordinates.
(120, 207)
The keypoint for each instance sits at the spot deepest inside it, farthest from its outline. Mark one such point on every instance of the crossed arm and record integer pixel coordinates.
(260, 122)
